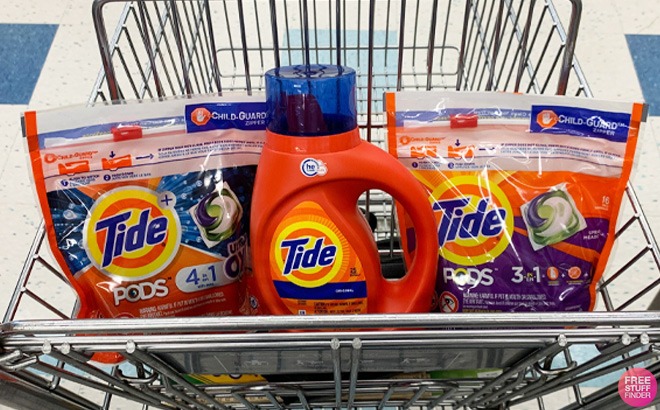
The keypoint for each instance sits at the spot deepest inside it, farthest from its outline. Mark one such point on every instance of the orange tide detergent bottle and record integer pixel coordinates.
(313, 252)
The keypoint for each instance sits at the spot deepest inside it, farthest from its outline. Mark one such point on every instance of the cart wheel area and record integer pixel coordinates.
(158, 48)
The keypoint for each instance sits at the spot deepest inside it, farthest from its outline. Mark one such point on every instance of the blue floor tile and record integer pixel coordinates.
(646, 57)
(23, 51)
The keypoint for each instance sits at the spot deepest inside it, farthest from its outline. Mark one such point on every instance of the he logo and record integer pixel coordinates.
(547, 119)
(311, 167)
(200, 116)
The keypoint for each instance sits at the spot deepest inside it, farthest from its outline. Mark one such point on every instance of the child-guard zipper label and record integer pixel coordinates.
(553, 119)
(314, 268)
(249, 116)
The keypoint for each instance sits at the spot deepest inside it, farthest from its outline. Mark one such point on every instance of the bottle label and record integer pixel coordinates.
(314, 268)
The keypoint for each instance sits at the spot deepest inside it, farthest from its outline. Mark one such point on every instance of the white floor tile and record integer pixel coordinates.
(70, 70)
(34, 11)
(645, 178)
(17, 229)
(608, 67)
(598, 17)
(15, 182)
(10, 119)
(654, 125)
(10, 131)
(639, 17)
(19, 216)
(77, 12)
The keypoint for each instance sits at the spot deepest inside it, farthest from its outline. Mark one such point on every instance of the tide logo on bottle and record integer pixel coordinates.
(132, 233)
(475, 219)
(308, 252)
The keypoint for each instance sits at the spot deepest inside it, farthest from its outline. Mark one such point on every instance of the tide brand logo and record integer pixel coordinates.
(308, 253)
(200, 116)
(132, 233)
(547, 118)
(300, 256)
(475, 220)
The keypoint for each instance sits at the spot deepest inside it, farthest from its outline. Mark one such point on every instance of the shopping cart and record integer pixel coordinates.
(511, 360)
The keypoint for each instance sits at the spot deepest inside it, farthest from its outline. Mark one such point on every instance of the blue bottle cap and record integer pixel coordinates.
(311, 100)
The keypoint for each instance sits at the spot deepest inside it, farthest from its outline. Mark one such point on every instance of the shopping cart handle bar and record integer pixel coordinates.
(392, 321)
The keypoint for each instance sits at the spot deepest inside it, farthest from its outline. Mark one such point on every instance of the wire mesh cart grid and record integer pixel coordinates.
(161, 48)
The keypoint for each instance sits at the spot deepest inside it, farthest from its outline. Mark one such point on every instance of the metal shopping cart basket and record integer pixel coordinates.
(522, 360)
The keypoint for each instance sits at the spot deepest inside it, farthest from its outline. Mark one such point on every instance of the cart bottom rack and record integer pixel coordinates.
(374, 361)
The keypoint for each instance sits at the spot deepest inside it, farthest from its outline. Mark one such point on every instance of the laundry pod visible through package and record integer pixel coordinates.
(146, 205)
(526, 190)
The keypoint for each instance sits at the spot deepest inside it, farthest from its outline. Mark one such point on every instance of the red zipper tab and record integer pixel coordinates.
(127, 132)
(463, 121)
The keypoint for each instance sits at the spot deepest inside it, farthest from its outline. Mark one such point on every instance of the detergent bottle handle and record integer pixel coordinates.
(414, 292)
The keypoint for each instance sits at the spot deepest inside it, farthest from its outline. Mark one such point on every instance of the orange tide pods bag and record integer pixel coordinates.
(146, 205)
(526, 190)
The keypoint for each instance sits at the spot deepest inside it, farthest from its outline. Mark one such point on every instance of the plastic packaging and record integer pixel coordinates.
(526, 191)
(313, 251)
(146, 205)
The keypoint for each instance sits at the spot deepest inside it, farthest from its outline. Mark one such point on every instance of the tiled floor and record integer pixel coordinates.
(618, 48)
